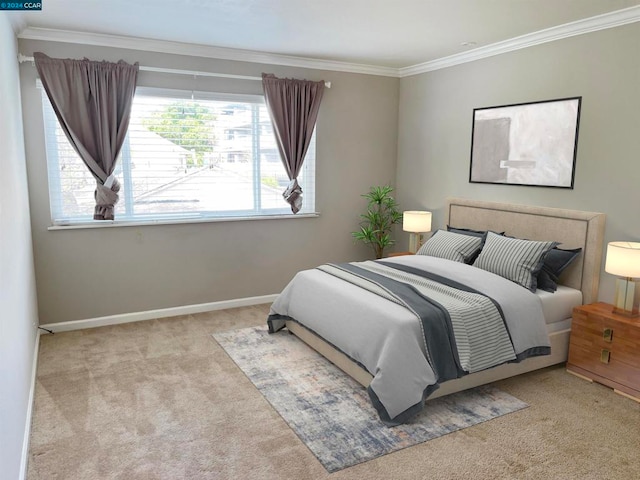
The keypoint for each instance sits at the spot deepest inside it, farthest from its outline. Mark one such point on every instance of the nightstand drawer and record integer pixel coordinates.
(605, 347)
(594, 361)
(596, 333)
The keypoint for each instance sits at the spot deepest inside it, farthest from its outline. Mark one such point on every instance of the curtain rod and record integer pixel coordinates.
(23, 58)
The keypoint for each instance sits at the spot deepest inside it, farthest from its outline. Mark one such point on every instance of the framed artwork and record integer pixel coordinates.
(533, 144)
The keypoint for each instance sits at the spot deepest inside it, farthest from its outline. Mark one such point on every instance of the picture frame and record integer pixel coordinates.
(531, 144)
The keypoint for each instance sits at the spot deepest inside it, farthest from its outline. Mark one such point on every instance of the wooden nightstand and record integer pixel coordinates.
(399, 254)
(605, 347)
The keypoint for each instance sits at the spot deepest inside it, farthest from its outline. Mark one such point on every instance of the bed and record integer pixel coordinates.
(352, 315)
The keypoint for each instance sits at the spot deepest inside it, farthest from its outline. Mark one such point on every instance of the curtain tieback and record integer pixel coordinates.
(293, 195)
(106, 198)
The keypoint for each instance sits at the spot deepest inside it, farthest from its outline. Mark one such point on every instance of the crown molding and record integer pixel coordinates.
(178, 48)
(579, 27)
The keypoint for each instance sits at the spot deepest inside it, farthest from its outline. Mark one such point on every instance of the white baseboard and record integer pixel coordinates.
(27, 427)
(160, 313)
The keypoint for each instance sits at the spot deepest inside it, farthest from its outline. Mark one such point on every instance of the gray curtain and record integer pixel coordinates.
(293, 106)
(92, 101)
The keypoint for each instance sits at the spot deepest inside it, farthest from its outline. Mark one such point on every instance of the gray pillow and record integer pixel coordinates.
(452, 246)
(554, 264)
(514, 259)
(467, 231)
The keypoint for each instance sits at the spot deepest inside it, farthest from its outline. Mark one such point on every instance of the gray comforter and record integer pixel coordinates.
(390, 316)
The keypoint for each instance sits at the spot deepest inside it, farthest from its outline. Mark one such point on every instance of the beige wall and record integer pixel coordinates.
(18, 308)
(603, 67)
(91, 273)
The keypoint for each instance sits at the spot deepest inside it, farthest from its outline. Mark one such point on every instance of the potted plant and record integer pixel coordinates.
(382, 214)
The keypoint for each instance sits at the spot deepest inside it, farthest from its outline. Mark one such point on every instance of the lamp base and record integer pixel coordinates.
(415, 241)
(627, 298)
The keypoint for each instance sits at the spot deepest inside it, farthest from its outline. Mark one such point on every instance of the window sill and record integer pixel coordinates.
(116, 223)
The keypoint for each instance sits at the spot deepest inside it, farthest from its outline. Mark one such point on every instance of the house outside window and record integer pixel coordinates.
(183, 158)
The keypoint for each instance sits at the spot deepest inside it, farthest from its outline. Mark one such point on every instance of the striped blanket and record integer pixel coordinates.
(464, 331)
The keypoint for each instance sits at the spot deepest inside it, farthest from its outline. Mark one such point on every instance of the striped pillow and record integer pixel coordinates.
(452, 246)
(514, 259)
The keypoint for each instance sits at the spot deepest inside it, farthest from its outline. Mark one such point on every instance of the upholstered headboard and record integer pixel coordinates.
(572, 228)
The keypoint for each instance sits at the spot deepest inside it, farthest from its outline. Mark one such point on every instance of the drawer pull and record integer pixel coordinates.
(604, 355)
(607, 334)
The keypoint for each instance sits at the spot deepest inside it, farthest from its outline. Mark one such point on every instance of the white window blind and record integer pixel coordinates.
(185, 156)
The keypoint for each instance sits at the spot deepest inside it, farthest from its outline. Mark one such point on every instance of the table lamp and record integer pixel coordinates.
(623, 259)
(416, 222)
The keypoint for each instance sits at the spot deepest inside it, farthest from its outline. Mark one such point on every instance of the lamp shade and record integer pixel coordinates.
(416, 221)
(623, 259)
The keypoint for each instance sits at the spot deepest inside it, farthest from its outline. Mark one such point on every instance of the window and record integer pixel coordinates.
(183, 158)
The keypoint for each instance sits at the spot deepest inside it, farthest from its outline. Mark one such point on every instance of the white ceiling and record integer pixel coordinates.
(382, 33)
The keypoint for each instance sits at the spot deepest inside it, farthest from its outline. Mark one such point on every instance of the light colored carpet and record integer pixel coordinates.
(161, 399)
(332, 414)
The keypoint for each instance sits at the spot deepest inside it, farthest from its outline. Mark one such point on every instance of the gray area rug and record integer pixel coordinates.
(332, 413)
